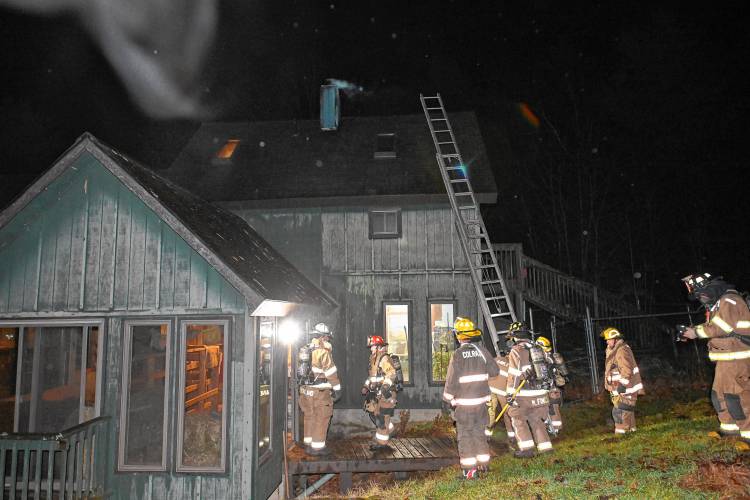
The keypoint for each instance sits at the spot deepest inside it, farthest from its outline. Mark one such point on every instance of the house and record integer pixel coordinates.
(362, 211)
(143, 324)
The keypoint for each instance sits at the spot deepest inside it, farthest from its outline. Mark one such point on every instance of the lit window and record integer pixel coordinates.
(202, 410)
(441, 337)
(385, 146)
(227, 150)
(385, 224)
(397, 334)
(265, 367)
(144, 401)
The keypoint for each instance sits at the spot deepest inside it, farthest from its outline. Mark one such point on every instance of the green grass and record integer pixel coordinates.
(590, 462)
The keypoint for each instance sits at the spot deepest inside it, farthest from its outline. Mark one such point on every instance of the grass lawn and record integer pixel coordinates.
(671, 456)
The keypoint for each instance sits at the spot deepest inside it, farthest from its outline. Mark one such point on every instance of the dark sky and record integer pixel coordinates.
(654, 96)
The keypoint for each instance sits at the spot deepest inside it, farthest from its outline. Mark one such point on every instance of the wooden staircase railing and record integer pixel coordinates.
(565, 296)
(71, 464)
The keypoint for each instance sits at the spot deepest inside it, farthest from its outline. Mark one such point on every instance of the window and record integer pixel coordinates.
(397, 335)
(441, 337)
(267, 328)
(227, 150)
(202, 407)
(143, 428)
(385, 224)
(50, 375)
(385, 146)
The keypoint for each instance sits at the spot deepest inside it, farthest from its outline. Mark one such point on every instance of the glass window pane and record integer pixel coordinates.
(397, 334)
(9, 338)
(265, 355)
(202, 425)
(56, 404)
(443, 343)
(146, 395)
(378, 222)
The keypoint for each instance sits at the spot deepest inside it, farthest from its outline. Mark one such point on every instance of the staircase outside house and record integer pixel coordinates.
(572, 299)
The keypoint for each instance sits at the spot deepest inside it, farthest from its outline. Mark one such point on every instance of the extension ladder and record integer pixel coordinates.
(492, 293)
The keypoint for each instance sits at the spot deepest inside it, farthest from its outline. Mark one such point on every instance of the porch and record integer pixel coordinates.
(70, 464)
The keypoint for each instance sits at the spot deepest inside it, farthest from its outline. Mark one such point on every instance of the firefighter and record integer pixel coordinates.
(315, 400)
(498, 397)
(529, 409)
(467, 392)
(557, 381)
(727, 327)
(622, 379)
(380, 384)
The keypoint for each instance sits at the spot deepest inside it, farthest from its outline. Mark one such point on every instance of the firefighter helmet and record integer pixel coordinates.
(519, 330)
(695, 282)
(465, 329)
(610, 333)
(375, 340)
(320, 330)
(544, 343)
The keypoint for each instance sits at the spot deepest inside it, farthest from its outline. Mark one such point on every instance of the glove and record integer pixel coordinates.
(447, 407)
(364, 390)
(336, 396)
(621, 389)
(386, 392)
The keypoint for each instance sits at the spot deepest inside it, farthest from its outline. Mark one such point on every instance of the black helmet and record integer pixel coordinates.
(705, 287)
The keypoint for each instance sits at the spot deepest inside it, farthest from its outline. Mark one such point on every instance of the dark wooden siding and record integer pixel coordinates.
(333, 248)
(87, 243)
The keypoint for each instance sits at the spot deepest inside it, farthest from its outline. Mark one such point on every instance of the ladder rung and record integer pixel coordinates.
(456, 181)
(472, 222)
(434, 109)
(490, 282)
(446, 142)
(486, 266)
(497, 297)
(454, 168)
(467, 193)
(497, 315)
(475, 236)
(450, 155)
(443, 131)
(480, 252)
(466, 207)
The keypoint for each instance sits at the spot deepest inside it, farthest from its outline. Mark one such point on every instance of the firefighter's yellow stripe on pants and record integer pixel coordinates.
(525, 445)
(619, 431)
(483, 458)
(469, 461)
(728, 356)
(382, 437)
(729, 427)
(487, 432)
(544, 446)
(745, 434)
(307, 440)
(318, 445)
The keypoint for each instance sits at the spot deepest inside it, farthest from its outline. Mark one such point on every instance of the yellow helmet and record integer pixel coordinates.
(465, 329)
(516, 325)
(611, 333)
(545, 343)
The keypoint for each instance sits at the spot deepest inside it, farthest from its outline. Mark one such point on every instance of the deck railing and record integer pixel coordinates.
(71, 464)
(565, 296)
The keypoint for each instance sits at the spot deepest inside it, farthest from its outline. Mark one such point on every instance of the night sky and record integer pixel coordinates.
(636, 166)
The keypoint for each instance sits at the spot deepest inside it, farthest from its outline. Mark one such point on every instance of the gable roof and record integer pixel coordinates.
(225, 240)
(297, 162)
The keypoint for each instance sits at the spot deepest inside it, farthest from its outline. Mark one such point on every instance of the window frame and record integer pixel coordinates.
(382, 236)
(180, 399)
(383, 154)
(410, 337)
(125, 388)
(430, 381)
(85, 324)
(268, 452)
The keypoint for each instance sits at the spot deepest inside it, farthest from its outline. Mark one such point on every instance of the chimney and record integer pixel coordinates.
(329, 107)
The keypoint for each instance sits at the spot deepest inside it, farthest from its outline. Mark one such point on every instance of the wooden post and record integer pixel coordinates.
(345, 482)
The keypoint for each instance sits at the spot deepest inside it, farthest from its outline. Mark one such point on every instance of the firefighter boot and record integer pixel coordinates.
(523, 453)
(482, 471)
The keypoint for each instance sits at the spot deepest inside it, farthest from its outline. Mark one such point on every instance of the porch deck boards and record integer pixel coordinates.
(355, 456)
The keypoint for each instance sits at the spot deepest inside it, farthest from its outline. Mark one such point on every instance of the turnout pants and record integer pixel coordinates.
(623, 413)
(730, 396)
(473, 449)
(495, 406)
(528, 419)
(383, 416)
(317, 409)
(555, 401)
